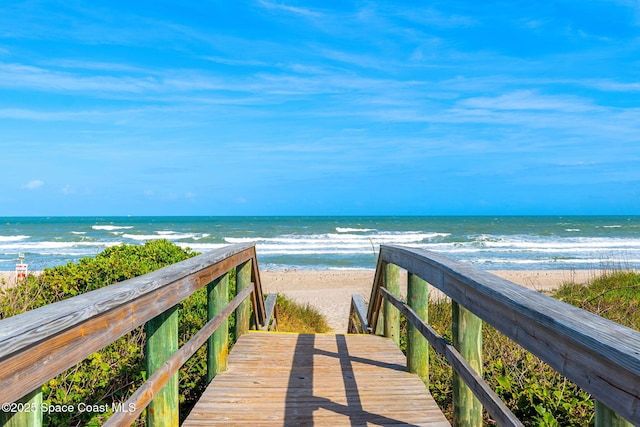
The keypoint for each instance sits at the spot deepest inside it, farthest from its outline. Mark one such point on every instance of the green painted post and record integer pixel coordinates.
(417, 345)
(380, 324)
(467, 339)
(162, 342)
(243, 312)
(30, 416)
(218, 342)
(391, 314)
(605, 417)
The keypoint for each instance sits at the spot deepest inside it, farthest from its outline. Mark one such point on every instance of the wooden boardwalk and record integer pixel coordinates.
(326, 380)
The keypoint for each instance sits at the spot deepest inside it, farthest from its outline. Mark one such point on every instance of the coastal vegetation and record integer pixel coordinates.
(537, 394)
(112, 374)
(304, 319)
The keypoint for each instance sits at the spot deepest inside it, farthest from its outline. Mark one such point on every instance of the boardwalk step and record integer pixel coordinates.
(324, 380)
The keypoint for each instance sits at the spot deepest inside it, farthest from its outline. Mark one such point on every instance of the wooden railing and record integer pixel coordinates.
(40, 344)
(600, 356)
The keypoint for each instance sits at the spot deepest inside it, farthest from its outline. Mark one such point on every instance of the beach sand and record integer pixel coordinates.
(7, 279)
(329, 291)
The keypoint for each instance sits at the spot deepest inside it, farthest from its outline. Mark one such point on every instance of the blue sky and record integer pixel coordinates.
(329, 107)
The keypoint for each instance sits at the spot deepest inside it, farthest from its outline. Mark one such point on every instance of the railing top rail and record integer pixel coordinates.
(599, 355)
(143, 395)
(494, 406)
(61, 334)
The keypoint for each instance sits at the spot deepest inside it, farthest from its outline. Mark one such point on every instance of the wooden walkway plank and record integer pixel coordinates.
(324, 380)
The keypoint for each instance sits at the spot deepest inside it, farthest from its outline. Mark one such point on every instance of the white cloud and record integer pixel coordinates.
(30, 77)
(33, 184)
(291, 9)
(430, 17)
(530, 100)
(236, 62)
(609, 85)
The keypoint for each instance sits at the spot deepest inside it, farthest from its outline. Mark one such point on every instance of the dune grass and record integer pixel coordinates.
(614, 295)
(294, 317)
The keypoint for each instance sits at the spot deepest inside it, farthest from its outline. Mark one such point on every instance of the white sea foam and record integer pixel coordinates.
(176, 235)
(410, 236)
(332, 239)
(79, 232)
(483, 249)
(142, 237)
(506, 261)
(353, 230)
(487, 251)
(202, 247)
(564, 244)
(37, 247)
(13, 238)
(168, 235)
(515, 246)
(334, 243)
(593, 262)
(111, 227)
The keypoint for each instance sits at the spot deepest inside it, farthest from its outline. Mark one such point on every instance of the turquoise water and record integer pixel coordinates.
(488, 242)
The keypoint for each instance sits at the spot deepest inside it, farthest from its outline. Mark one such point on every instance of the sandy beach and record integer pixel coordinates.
(7, 279)
(330, 291)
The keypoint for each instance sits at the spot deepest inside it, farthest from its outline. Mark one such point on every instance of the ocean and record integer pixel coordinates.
(339, 242)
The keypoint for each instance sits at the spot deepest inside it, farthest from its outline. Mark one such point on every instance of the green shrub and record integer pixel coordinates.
(113, 373)
(110, 266)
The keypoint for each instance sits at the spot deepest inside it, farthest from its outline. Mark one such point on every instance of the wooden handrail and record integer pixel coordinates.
(40, 344)
(145, 393)
(495, 407)
(358, 312)
(375, 300)
(270, 313)
(600, 356)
